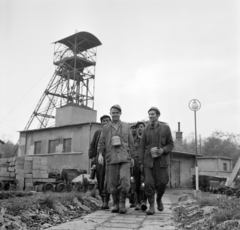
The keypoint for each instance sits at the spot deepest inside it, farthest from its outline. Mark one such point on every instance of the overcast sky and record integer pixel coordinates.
(154, 53)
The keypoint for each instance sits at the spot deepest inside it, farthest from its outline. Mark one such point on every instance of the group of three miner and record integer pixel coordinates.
(115, 151)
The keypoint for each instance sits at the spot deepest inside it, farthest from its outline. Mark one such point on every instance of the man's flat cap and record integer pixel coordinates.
(117, 107)
(155, 109)
(140, 123)
(105, 116)
(133, 126)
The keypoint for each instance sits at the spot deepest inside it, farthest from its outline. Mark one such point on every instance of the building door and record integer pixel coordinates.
(175, 174)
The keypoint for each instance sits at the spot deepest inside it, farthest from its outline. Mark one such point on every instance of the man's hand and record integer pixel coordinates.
(132, 163)
(100, 159)
(93, 160)
(159, 151)
(141, 167)
(156, 152)
(153, 149)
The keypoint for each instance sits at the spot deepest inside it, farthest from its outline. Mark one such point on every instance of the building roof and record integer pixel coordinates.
(59, 127)
(186, 153)
(84, 41)
(215, 157)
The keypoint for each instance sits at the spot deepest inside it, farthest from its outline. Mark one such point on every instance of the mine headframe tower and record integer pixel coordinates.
(73, 80)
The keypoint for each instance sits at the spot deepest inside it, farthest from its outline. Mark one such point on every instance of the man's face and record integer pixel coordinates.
(153, 116)
(105, 120)
(115, 114)
(140, 128)
(134, 131)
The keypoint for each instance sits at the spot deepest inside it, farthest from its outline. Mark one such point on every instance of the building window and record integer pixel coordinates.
(224, 166)
(37, 147)
(52, 145)
(67, 145)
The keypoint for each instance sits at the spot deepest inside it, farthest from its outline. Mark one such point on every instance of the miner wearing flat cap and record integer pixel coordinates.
(134, 130)
(100, 168)
(155, 146)
(116, 143)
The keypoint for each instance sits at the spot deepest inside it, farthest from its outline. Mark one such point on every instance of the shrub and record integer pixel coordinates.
(228, 208)
(47, 199)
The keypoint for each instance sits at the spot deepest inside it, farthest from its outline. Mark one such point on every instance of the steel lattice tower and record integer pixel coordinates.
(73, 79)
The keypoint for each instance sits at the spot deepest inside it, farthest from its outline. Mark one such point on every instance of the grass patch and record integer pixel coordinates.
(18, 204)
(208, 201)
(65, 198)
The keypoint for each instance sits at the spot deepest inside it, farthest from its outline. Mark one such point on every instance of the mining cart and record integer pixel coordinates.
(6, 185)
(58, 182)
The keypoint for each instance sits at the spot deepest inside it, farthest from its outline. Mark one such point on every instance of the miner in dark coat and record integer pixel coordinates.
(100, 168)
(141, 202)
(156, 144)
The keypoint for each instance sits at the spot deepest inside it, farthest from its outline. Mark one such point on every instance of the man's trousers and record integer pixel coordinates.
(156, 178)
(101, 174)
(118, 178)
(137, 175)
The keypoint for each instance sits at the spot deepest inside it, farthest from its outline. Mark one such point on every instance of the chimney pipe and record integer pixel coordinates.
(179, 134)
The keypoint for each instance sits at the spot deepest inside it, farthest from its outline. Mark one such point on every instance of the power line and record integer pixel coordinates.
(25, 95)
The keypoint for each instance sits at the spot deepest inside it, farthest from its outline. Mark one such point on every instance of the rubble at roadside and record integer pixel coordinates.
(41, 211)
(210, 212)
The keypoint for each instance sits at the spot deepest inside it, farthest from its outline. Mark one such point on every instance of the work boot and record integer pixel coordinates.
(144, 205)
(160, 192)
(105, 202)
(151, 210)
(138, 206)
(115, 207)
(122, 207)
(132, 205)
(132, 201)
(159, 204)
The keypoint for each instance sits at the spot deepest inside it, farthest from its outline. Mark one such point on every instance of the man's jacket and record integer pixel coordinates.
(137, 141)
(93, 150)
(159, 136)
(119, 154)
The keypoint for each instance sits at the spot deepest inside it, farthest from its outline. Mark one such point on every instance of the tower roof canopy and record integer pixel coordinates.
(84, 41)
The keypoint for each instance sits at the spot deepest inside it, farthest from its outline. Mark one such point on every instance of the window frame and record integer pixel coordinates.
(56, 144)
(64, 145)
(224, 166)
(37, 147)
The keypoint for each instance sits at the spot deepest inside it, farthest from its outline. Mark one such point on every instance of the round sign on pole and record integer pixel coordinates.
(194, 105)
